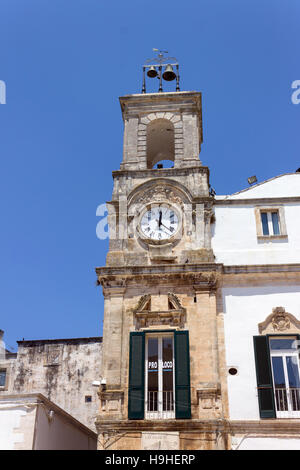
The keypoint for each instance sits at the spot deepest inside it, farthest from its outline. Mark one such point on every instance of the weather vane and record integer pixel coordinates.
(158, 63)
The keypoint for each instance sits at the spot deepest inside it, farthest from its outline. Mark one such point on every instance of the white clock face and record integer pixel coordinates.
(159, 223)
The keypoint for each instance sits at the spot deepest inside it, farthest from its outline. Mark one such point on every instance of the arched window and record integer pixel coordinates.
(160, 142)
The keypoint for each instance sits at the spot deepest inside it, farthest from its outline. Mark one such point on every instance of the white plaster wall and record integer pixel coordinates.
(13, 428)
(234, 237)
(273, 443)
(244, 308)
(287, 185)
(60, 434)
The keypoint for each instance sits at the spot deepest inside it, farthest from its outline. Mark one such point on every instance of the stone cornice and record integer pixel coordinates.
(202, 276)
(162, 172)
(276, 426)
(183, 425)
(258, 275)
(269, 426)
(258, 200)
(179, 100)
(159, 269)
(198, 280)
(262, 268)
(197, 268)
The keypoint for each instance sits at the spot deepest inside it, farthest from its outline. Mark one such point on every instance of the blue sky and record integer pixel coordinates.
(65, 63)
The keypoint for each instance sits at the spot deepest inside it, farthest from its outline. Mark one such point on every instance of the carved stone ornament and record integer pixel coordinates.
(145, 317)
(209, 401)
(279, 321)
(159, 194)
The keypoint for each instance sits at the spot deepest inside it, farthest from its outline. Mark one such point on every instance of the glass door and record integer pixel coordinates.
(159, 377)
(286, 381)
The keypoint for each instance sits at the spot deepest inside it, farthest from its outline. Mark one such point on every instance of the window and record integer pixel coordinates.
(278, 378)
(2, 377)
(159, 383)
(159, 375)
(88, 399)
(270, 222)
(285, 371)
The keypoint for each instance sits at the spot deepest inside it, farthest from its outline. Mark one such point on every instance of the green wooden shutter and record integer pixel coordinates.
(136, 376)
(182, 375)
(264, 377)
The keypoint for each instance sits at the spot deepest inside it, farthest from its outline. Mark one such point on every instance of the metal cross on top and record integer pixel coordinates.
(158, 63)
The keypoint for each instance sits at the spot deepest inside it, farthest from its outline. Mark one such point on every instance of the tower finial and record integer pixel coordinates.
(158, 62)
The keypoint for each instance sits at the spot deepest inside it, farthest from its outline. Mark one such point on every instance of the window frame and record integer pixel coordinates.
(4, 387)
(281, 222)
(136, 374)
(159, 414)
(284, 353)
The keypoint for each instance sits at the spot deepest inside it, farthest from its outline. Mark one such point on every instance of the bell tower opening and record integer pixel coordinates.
(160, 142)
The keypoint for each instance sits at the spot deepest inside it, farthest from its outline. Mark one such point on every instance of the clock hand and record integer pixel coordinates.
(165, 230)
(165, 226)
(159, 220)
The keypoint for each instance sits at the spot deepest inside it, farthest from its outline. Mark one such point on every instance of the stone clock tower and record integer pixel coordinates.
(162, 385)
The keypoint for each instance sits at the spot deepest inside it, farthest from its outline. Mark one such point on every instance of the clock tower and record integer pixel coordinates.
(163, 356)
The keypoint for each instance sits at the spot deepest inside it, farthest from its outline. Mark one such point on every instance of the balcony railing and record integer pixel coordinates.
(287, 400)
(167, 403)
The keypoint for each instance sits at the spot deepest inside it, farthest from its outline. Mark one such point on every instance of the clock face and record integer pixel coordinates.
(159, 223)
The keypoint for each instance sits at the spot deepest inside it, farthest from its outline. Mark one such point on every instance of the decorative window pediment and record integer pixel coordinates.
(146, 317)
(279, 321)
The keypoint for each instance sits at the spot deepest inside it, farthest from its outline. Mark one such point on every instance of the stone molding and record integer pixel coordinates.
(111, 403)
(160, 190)
(186, 425)
(281, 216)
(262, 201)
(163, 172)
(279, 321)
(145, 317)
(200, 280)
(262, 268)
(209, 400)
(276, 426)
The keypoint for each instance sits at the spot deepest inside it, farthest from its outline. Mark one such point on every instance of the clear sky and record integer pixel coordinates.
(65, 63)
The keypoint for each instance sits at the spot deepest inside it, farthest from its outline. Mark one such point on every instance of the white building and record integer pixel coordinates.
(257, 238)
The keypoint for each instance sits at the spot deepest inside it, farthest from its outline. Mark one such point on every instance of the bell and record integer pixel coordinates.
(152, 72)
(169, 74)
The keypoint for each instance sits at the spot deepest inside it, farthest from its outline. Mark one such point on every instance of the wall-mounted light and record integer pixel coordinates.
(252, 179)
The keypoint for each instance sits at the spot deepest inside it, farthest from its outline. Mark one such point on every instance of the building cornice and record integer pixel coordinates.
(181, 425)
(257, 200)
(159, 269)
(275, 426)
(162, 172)
(262, 268)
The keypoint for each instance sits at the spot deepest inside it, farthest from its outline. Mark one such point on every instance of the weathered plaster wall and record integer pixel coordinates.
(63, 371)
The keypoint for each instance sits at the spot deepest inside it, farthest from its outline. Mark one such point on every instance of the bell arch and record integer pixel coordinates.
(160, 143)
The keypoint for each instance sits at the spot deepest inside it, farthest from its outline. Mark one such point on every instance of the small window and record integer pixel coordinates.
(2, 377)
(88, 399)
(270, 222)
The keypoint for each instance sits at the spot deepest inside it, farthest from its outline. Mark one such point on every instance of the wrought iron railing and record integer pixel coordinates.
(167, 403)
(287, 400)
